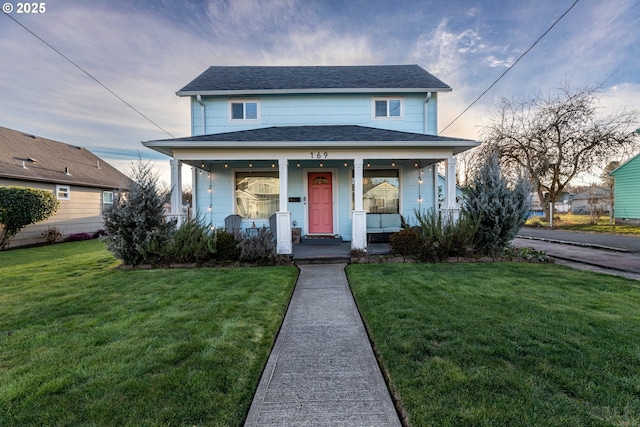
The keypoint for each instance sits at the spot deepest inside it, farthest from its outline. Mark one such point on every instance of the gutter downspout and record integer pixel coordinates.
(426, 113)
(202, 121)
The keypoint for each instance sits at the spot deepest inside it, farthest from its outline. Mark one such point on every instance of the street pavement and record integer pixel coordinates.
(605, 253)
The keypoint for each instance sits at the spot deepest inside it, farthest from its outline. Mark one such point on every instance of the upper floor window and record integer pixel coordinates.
(63, 192)
(387, 108)
(244, 110)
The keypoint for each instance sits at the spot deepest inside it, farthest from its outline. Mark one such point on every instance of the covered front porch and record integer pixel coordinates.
(317, 180)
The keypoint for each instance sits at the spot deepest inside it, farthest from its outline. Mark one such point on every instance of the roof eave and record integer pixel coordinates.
(252, 92)
(167, 147)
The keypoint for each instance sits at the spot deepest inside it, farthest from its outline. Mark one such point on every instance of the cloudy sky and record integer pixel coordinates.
(144, 51)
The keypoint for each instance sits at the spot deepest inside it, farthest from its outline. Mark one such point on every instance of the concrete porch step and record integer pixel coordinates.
(330, 239)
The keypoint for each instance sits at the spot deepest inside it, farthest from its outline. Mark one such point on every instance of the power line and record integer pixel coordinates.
(90, 76)
(511, 66)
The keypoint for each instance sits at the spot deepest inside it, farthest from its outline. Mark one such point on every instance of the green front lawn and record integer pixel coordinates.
(505, 343)
(82, 343)
(582, 223)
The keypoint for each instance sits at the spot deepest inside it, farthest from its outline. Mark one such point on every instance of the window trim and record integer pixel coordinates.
(59, 187)
(104, 204)
(387, 99)
(244, 103)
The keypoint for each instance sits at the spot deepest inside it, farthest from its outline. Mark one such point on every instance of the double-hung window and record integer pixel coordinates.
(244, 110)
(387, 108)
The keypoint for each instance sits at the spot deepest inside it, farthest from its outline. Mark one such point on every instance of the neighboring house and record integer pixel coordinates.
(595, 200)
(561, 206)
(82, 182)
(315, 148)
(626, 201)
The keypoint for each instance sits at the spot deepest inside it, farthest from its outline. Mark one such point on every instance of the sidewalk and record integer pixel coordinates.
(607, 261)
(322, 370)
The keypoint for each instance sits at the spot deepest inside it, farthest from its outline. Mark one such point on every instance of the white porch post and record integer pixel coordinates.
(359, 216)
(450, 183)
(176, 191)
(283, 216)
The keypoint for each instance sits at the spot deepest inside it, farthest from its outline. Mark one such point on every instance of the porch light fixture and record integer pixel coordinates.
(273, 165)
(368, 164)
(345, 164)
(393, 163)
(321, 164)
(298, 164)
(226, 165)
(250, 164)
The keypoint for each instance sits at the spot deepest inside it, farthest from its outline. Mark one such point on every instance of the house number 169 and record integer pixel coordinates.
(319, 155)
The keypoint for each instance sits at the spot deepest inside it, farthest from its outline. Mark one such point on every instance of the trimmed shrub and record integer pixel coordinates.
(227, 248)
(51, 234)
(20, 207)
(406, 242)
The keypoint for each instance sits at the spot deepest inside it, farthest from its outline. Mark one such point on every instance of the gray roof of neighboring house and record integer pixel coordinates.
(335, 135)
(45, 160)
(220, 80)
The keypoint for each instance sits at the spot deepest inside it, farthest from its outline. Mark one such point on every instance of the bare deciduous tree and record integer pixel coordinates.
(555, 137)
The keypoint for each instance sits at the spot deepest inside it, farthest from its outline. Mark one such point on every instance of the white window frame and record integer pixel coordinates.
(105, 204)
(387, 99)
(60, 189)
(244, 103)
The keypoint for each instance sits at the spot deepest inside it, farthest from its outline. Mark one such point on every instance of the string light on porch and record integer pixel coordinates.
(273, 165)
(321, 164)
(226, 165)
(298, 164)
(250, 164)
(393, 163)
(420, 172)
(345, 164)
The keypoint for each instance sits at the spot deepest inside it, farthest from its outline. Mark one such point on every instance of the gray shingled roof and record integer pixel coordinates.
(399, 78)
(322, 133)
(286, 137)
(45, 161)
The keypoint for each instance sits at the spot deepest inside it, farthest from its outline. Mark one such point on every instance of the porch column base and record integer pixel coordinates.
(283, 230)
(359, 230)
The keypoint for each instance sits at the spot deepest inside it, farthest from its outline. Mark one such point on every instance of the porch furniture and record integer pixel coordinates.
(383, 224)
(232, 223)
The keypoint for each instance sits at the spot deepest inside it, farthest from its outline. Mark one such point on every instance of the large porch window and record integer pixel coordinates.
(257, 194)
(381, 191)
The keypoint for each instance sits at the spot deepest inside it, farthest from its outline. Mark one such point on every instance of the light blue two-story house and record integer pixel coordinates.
(314, 148)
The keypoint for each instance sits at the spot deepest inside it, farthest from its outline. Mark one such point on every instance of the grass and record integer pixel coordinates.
(582, 223)
(504, 343)
(85, 344)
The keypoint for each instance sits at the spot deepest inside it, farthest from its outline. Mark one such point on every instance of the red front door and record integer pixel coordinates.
(320, 203)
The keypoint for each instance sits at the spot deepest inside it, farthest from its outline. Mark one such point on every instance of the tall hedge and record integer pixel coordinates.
(21, 206)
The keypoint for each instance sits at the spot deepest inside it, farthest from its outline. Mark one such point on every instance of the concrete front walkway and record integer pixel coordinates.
(322, 370)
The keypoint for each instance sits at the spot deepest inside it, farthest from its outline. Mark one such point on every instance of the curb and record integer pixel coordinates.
(583, 245)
